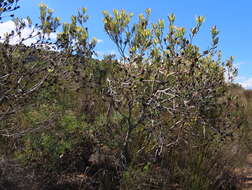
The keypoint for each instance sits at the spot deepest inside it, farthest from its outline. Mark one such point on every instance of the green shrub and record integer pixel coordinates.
(160, 116)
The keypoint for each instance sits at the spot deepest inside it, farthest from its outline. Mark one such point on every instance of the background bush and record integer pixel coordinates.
(161, 115)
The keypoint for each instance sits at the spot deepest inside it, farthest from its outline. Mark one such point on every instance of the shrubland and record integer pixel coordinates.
(163, 114)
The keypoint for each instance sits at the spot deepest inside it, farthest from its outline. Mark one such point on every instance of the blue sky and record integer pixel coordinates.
(232, 18)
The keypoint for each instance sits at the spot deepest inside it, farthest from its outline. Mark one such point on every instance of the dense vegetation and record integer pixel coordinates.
(162, 115)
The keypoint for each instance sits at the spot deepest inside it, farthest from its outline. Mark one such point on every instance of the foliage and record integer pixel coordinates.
(8, 6)
(167, 77)
(162, 115)
(27, 69)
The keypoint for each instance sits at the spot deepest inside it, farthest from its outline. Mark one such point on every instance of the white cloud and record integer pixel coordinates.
(99, 41)
(240, 78)
(247, 83)
(102, 53)
(239, 64)
(8, 26)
